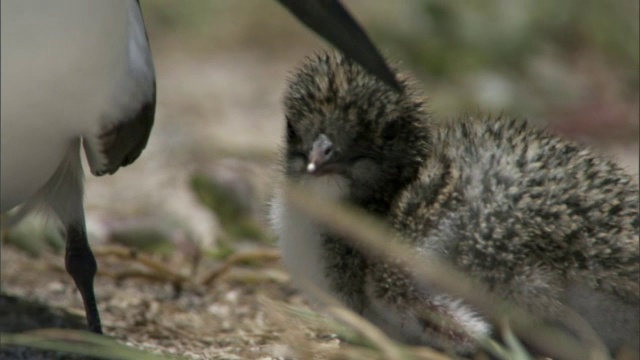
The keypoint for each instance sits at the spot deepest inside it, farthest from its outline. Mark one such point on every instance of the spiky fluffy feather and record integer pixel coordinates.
(537, 219)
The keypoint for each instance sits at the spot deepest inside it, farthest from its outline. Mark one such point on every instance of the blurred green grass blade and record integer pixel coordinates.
(494, 348)
(316, 319)
(370, 234)
(511, 350)
(515, 346)
(77, 342)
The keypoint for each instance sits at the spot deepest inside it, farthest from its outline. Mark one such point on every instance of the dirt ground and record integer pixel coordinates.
(229, 319)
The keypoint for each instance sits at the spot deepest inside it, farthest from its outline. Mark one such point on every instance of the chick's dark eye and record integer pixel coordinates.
(391, 130)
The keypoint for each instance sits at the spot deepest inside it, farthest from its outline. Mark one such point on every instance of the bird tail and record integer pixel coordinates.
(63, 193)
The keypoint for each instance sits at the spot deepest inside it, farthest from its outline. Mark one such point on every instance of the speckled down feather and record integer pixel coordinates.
(537, 219)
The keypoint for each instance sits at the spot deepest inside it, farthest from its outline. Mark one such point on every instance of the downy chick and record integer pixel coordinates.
(536, 219)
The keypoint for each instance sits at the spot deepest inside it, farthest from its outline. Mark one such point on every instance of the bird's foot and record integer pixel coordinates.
(81, 265)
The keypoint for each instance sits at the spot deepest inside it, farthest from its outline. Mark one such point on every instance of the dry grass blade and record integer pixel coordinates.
(233, 260)
(159, 268)
(77, 342)
(161, 273)
(370, 234)
(390, 350)
(138, 274)
(363, 339)
(374, 335)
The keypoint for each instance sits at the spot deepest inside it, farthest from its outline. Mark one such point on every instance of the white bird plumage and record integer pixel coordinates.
(72, 71)
(300, 235)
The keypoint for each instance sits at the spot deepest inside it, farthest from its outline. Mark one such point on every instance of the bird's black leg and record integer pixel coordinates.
(82, 266)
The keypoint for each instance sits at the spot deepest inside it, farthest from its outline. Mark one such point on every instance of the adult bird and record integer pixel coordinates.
(74, 72)
(329, 19)
(77, 72)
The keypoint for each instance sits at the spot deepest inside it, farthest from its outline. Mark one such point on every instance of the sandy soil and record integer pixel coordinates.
(227, 320)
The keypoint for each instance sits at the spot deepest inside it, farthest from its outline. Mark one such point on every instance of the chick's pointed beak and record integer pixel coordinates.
(321, 152)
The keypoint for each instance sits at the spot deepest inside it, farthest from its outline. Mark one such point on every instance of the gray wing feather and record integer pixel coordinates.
(329, 19)
(125, 128)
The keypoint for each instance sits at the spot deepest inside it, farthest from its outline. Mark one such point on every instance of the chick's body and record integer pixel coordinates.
(534, 218)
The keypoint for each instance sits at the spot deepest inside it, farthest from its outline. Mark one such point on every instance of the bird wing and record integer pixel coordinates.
(329, 19)
(125, 126)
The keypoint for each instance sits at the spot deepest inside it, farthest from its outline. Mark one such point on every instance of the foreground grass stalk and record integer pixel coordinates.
(370, 234)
